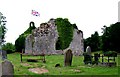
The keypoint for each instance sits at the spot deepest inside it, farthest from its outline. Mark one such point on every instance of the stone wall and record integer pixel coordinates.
(43, 40)
(28, 44)
(77, 44)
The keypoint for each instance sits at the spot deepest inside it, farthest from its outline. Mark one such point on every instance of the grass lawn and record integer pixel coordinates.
(77, 68)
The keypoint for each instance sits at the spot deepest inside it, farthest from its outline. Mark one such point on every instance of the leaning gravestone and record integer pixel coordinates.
(68, 58)
(88, 50)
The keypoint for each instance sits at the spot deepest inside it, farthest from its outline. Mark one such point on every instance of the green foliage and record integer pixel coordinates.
(31, 27)
(65, 31)
(110, 53)
(111, 37)
(93, 42)
(20, 41)
(115, 36)
(2, 28)
(105, 39)
(9, 47)
(58, 44)
(109, 41)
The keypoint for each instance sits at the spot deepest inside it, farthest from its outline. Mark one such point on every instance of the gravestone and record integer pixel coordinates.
(88, 50)
(6, 68)
(96, 58)
(3, 55)
(68, 58)
(87, 56)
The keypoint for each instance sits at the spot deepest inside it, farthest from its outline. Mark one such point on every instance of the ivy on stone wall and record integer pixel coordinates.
(65, 32)
(20, 41)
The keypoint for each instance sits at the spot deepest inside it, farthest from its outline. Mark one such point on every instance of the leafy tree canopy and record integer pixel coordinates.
(93, 42)
(111, 37)
(108, 41)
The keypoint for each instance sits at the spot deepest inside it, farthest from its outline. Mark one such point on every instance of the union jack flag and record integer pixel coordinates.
(35, 13)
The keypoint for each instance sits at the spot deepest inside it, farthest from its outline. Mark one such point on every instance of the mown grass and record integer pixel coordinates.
(77, 64)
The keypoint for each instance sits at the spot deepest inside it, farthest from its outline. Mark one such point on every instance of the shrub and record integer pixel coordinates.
(8, 47)
(110, 53)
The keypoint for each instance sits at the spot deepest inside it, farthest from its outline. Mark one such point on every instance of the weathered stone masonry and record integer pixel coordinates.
(43, 40)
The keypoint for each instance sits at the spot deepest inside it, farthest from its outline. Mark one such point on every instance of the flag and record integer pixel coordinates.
(35, 13)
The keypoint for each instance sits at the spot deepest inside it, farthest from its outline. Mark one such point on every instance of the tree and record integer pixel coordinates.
(96, 41)
(2, 28)
(115, 36)
(9, 47)
(93, 42)
(111, 37)
(105, 39)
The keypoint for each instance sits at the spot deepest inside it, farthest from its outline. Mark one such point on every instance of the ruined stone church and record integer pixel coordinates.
(43, 40)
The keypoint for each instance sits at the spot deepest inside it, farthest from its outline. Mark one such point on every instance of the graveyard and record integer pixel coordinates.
(57, 47)
(53, 49)
(77, 67)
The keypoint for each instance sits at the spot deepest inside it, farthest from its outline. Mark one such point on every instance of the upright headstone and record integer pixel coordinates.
(3, 55)
(87, 56)
(88, 50)
(6, 68)
(68, 58)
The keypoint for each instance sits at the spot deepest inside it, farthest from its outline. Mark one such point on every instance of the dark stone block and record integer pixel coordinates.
(68, 58)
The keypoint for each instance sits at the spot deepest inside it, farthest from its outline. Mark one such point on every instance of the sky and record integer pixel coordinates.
(89, 15)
